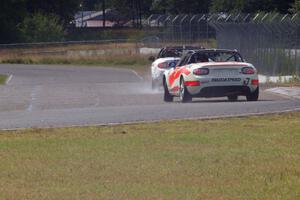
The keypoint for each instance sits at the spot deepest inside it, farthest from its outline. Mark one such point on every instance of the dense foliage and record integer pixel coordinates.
(13, 12)
(41, 28)
(250, 6)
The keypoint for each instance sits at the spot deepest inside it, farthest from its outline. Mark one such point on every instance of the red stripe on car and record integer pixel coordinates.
(192, 83)
(176, 74)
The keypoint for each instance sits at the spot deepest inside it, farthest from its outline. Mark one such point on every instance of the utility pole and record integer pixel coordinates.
(136, 4)
(103, 13)
(81, 14)
(140, 12)
(133, 12)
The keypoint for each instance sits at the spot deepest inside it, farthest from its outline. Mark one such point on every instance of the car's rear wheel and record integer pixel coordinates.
(167, 96)
(183, 93)
(253, 96)
(232, 98)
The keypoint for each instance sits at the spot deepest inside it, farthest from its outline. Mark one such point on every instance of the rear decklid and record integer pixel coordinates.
(225, 69)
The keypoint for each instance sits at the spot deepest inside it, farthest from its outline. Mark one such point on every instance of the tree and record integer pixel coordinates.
(12, 13)
(227, 6)
(180, 6)
(295, 6)
(251, 6)
(64, 9)
(41, 28)
(131, 9)
(282, 6)
(92, 4)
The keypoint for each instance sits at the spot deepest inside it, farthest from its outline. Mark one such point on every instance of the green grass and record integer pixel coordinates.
(3, 79)
(240, 158)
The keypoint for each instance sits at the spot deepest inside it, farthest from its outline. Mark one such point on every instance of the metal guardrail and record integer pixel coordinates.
(54, 44)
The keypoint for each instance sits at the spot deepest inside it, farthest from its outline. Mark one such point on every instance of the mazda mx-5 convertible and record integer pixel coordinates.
(211, 73)
(166, 59)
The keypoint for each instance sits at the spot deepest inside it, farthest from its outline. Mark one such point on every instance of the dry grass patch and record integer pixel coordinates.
(241, 158)
(61, 48)
(120, 55)
(140, 64)
(3, 79)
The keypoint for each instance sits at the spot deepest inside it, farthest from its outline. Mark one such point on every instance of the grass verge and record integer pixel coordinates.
(3, 79)
(240, 158)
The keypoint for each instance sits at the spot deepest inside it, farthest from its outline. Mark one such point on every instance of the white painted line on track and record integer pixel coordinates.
(135, 73)
(97, 102)
(9, 79)
(33, 98)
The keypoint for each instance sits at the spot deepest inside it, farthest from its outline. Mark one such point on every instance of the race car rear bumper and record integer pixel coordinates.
(221, 91)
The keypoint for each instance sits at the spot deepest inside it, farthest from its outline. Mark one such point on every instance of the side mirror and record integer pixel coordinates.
(151, 58)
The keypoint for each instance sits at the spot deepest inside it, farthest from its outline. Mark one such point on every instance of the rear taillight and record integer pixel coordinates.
(255, 82)
(201, 71)
(248, 70)
(163, 65)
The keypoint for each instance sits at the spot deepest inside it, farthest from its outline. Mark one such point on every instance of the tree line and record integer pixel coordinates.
(36, 20)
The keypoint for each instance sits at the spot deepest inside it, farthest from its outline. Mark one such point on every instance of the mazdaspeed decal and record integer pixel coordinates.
(226, 79)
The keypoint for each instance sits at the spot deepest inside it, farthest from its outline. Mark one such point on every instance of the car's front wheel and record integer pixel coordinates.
(167, 96)
(253, 96)
(183, 93)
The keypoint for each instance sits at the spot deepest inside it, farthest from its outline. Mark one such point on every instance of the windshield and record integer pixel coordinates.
(171, 53)
(216, 57)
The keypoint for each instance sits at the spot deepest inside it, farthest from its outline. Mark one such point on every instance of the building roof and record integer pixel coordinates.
(110, 14)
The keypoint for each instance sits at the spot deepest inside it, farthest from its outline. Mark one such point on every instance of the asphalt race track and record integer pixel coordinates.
(59, 96)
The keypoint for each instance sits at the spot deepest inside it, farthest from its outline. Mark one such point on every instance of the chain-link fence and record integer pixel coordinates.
(184, 29)
(270, 41)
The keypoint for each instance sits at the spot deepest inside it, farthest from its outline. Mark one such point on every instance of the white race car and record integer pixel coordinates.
(167, 58)
(211, 73)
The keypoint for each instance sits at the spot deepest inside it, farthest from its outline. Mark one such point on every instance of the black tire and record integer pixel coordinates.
(253, 96)
(167, 96)
(232, 98)
(183, 93)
